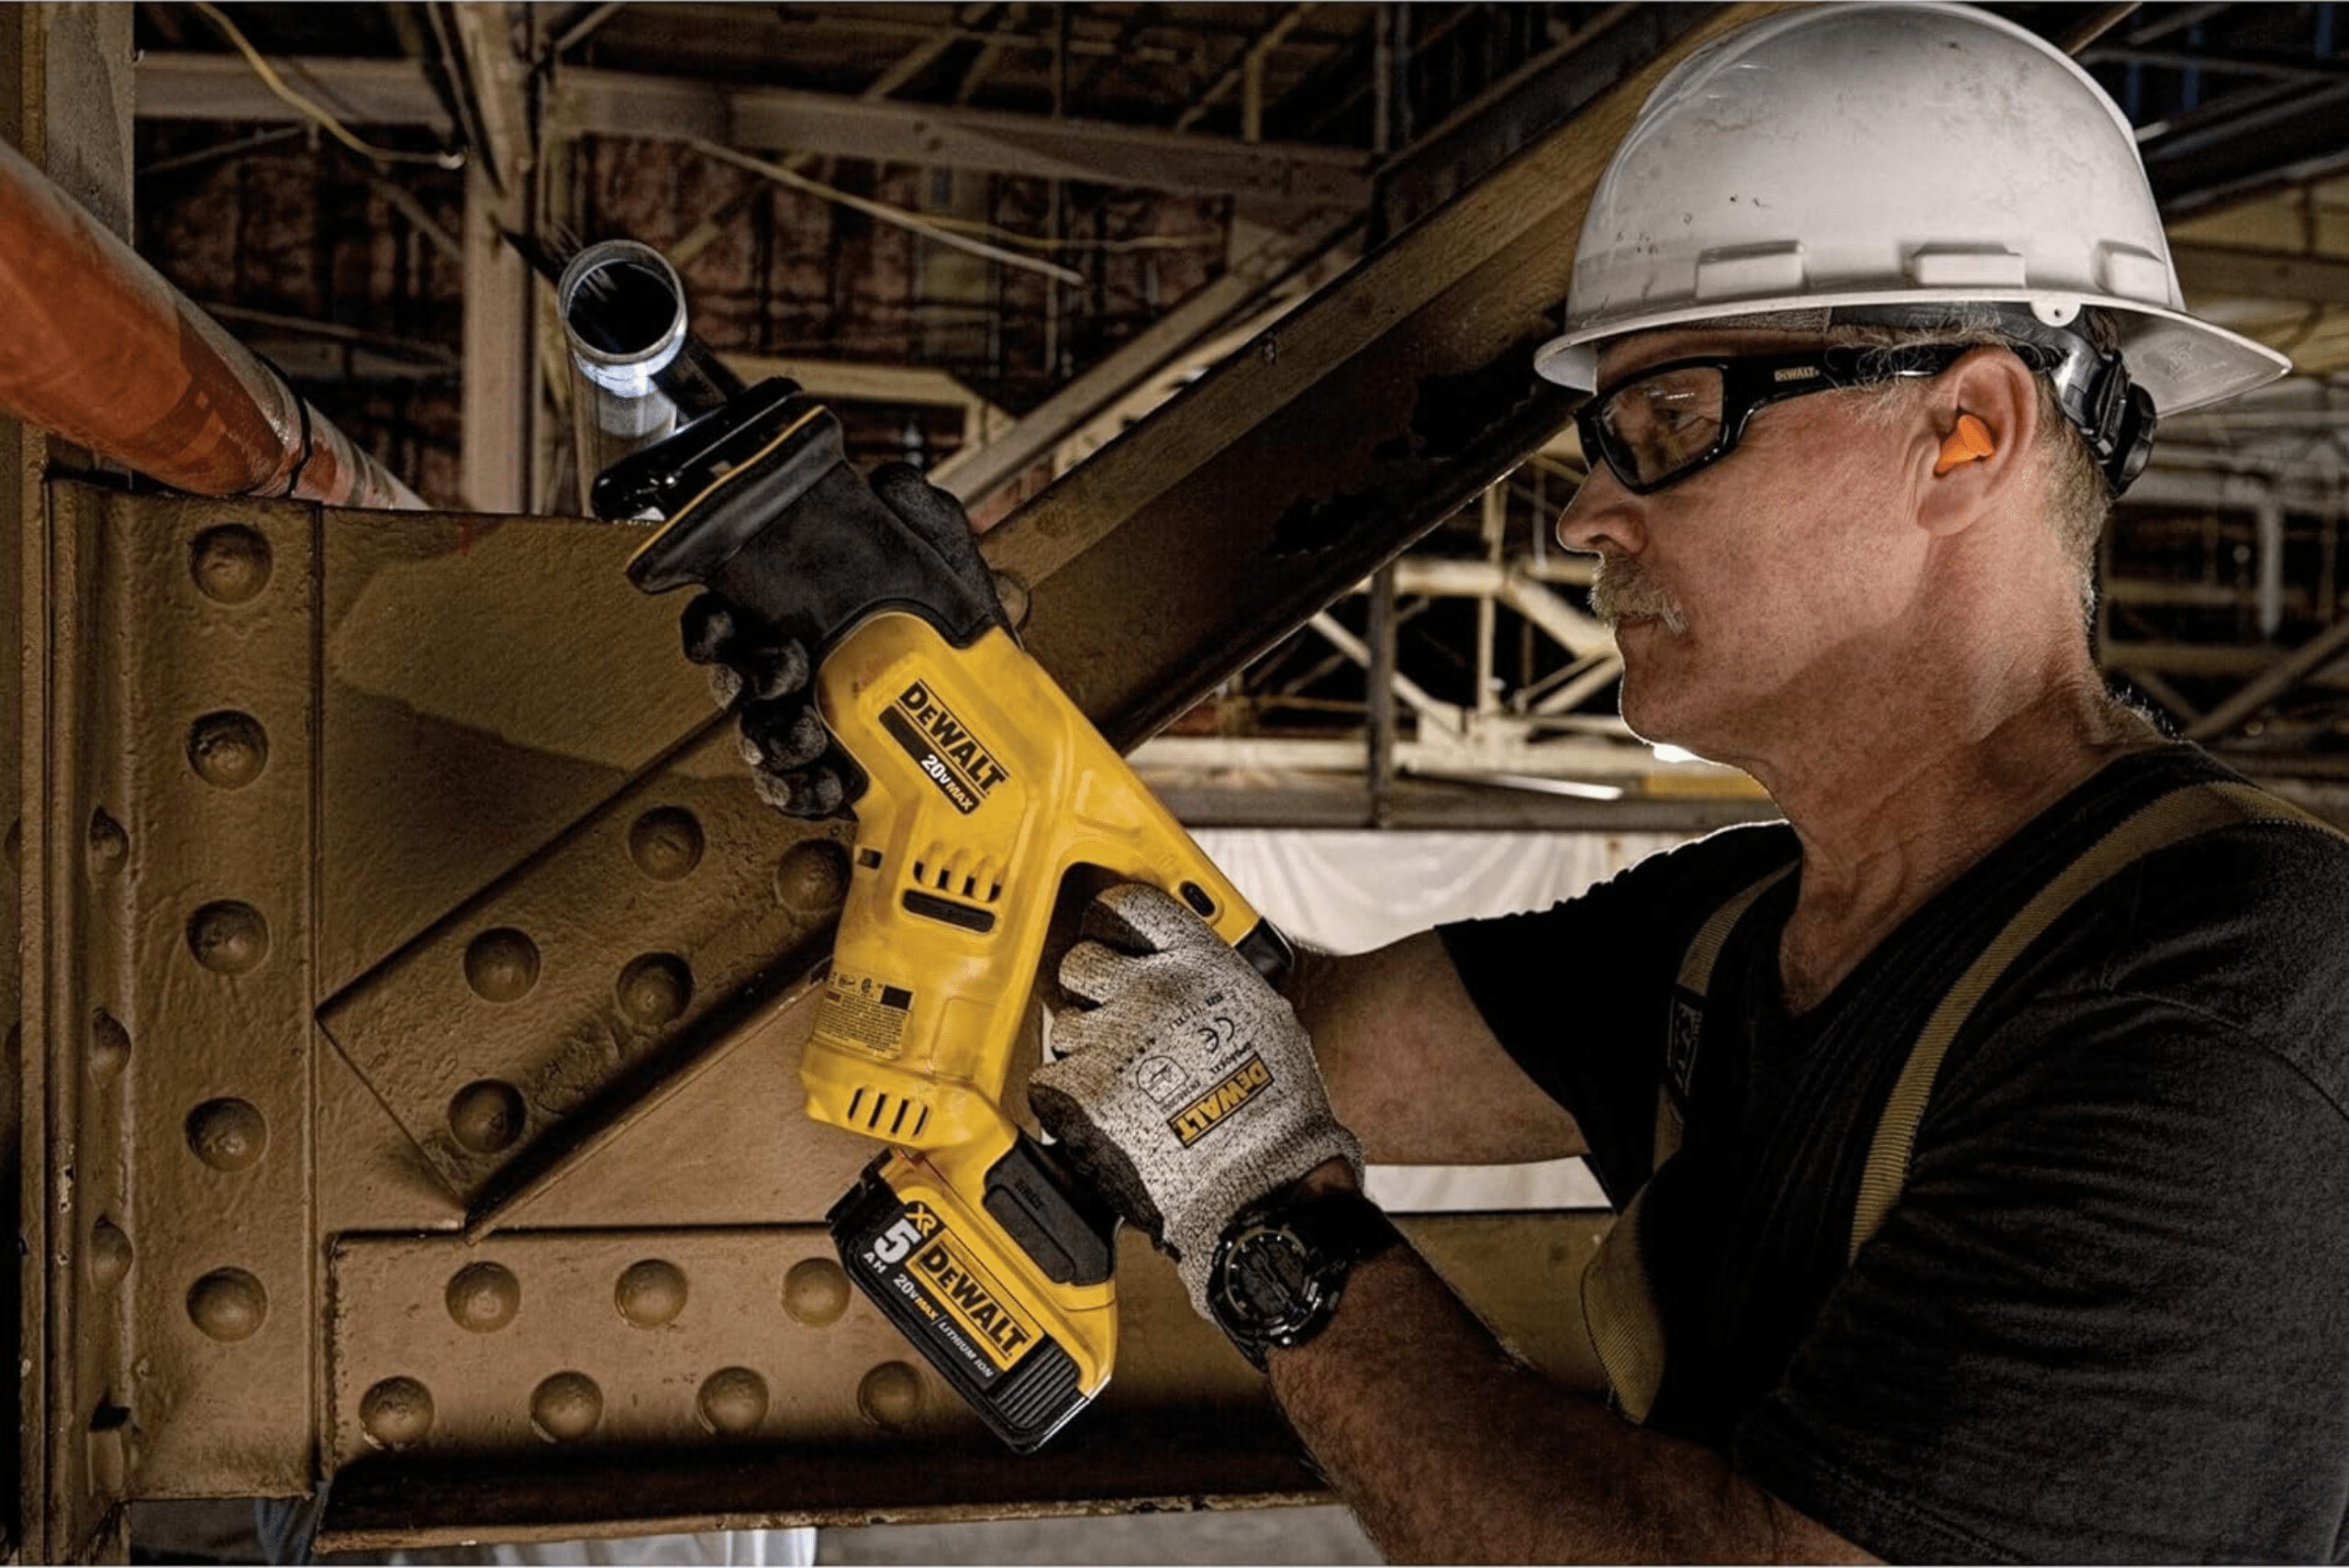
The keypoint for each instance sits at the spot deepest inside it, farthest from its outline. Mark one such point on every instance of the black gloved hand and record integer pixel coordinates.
(796, 765)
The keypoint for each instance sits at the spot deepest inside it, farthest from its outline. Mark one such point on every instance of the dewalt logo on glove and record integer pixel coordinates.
(962, 769)
(1207, 1113)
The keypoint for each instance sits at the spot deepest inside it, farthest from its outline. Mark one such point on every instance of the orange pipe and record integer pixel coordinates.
(100, 348)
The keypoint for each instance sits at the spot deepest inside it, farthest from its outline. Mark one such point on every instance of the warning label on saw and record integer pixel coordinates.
(859, 1010)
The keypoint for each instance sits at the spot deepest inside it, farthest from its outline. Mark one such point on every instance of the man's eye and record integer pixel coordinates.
(1671, 424)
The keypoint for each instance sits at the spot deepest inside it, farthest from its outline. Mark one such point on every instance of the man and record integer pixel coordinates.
(1981, 1127)
(1852, 439)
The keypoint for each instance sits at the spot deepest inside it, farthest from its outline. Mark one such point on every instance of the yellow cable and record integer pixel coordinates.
(334, 127)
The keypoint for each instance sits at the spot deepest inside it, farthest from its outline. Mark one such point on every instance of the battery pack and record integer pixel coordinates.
(935, 1284)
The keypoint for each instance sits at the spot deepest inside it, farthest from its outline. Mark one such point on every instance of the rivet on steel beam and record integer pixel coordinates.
(651, 1294)
(483, 1297)
(566, 1406)
(815, 1292)
(665, 843)
(227, 749)
(110, 1254)
(812, 877)
(229, 1305)
(486, 1115)
(395, 1413)
(654, 988)
(228, 1134)
(502, 964)
(890, 1395)
(110, 1047)
(228, 936)
(230, 564)
(110, 845)
(732, 1402)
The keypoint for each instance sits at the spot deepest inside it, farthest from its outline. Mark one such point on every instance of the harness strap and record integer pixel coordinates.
(1618, 1299)
(1696, 978)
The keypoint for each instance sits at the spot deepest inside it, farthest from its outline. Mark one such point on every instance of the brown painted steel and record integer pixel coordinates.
(395, 908)
(264, 808)
(102, 350)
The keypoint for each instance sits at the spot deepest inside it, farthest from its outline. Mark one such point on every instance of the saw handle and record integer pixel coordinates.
(764, 508)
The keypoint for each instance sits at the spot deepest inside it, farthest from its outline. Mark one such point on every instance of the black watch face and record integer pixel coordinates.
(1268, 1285)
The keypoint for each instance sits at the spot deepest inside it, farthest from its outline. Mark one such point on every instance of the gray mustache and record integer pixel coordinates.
(1620, 589)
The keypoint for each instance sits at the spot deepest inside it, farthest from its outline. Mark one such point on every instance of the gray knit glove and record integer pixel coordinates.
(1187, 1088)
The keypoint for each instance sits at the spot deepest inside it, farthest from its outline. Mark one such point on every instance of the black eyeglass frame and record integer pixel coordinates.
(1752, 381)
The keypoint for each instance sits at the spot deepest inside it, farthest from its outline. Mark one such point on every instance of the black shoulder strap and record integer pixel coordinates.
(1686, 1027)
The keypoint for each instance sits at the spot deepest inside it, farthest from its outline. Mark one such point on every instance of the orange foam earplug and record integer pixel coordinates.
(1970, 442)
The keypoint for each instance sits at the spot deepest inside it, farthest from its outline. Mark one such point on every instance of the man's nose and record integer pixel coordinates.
(1603, 518)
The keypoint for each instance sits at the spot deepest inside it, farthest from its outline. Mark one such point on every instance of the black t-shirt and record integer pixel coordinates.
(2109, 1319)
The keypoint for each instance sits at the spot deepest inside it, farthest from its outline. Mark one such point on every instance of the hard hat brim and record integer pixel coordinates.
(2166, 351)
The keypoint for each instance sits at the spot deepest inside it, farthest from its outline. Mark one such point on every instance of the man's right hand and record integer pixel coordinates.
(796, 765)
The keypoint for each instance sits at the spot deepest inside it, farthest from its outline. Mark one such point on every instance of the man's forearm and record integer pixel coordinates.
(1449, 1449)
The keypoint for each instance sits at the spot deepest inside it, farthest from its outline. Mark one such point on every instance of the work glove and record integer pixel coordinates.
(1186, 1088)
(795, 764)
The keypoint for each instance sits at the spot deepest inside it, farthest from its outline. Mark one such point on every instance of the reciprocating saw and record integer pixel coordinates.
(978, 787)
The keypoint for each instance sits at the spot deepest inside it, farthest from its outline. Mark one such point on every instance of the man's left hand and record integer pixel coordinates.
(1187, 1088)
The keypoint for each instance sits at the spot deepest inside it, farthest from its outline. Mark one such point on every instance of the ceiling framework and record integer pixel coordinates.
(1071, 211)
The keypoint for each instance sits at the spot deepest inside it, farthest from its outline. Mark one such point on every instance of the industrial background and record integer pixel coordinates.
(403, 987)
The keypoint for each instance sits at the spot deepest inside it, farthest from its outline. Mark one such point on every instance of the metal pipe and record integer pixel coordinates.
(623, 310)
(102, 350)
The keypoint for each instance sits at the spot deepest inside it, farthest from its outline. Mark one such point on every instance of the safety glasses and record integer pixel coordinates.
(1658, 425)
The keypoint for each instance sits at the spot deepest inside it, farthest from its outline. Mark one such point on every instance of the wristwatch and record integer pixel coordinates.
(1280, 1266)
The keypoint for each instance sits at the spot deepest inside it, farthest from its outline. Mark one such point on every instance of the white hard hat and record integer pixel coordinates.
(1887, 155)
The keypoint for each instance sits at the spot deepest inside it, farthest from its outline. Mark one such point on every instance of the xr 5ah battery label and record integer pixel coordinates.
(948, 1293)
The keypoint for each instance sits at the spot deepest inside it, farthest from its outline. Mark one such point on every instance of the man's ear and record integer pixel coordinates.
(1975, 439)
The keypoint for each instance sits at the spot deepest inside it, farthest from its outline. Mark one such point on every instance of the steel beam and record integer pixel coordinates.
(586, 101)
(395, 893)
(1251, 283)
(421, 995)
(64, 107)
(1285, 476)
(175, 85)
(2227, 272)
(2280, 677)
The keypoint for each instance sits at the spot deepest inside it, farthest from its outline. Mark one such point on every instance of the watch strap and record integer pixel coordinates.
(1338, 1230)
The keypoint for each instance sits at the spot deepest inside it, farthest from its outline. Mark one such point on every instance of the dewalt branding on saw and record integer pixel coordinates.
(942, 747)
